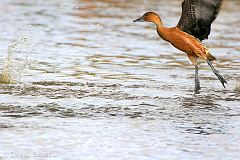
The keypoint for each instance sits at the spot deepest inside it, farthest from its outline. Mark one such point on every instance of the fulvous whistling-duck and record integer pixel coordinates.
(193, 27)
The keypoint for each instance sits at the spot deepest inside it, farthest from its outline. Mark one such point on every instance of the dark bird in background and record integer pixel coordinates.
(193, 27)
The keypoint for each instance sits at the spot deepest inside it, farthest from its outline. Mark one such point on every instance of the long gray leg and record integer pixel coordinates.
(222, 80)
(197, 83)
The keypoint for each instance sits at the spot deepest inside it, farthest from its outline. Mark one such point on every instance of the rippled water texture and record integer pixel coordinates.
(79, 80)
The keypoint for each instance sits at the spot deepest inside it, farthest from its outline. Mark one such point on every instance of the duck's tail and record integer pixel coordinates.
(210, 57)
(207, 53)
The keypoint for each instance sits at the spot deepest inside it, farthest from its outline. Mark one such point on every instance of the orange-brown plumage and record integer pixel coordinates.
(184, 42)
(179, 39)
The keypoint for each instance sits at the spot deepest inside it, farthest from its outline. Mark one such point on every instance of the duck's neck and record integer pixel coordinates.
(161, 29)
(159, 23)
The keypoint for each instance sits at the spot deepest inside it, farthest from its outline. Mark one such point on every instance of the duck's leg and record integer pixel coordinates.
(222, 80)
(197, 82)
(193, 58)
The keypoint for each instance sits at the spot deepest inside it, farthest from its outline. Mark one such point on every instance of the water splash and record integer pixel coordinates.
(13, 67)
(237, 87)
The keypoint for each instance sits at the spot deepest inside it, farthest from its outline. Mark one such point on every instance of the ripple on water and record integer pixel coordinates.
(98, 83)
(116, 101)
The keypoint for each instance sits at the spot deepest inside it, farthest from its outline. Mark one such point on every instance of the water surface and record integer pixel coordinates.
(84, 82)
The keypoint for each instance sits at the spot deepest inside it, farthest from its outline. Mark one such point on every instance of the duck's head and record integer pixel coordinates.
(149, 17)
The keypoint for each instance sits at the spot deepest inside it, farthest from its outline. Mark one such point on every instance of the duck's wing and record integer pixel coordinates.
(197, 17)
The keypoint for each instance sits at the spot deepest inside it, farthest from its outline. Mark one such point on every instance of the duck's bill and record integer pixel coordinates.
(139, 19)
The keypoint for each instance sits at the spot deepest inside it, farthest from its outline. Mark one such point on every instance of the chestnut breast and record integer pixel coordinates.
(180, 40)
